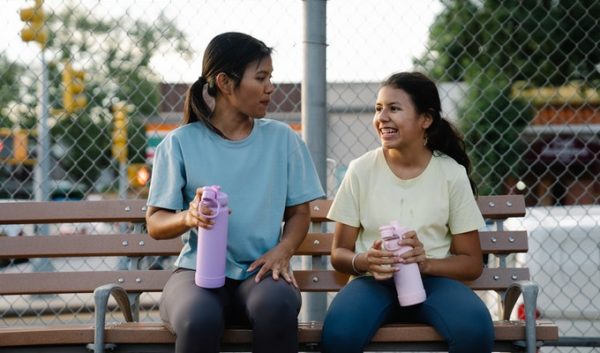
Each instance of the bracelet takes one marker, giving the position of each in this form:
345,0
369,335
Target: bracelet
354,265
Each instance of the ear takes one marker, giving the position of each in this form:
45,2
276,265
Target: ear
224,83
426,121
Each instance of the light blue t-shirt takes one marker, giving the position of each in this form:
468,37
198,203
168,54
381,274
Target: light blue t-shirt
262,174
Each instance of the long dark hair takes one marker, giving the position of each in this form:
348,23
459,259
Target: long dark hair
441,135
229,53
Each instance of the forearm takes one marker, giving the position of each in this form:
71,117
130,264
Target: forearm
163,224
459,267
295,228
341,260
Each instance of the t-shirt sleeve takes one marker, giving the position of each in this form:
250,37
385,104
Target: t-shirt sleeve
303,181
345,207
464,215
168,176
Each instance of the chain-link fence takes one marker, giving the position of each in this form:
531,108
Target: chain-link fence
521,79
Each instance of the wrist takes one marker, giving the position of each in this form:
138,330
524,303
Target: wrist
355,264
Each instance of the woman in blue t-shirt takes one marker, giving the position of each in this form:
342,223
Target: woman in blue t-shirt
266,170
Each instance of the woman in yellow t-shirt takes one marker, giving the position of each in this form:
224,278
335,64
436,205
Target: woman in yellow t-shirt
418,177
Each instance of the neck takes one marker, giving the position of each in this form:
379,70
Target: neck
418,157
233,124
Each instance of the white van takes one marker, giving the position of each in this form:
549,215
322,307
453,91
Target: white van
564,259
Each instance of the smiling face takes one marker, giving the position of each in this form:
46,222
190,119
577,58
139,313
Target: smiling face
253,94
396,120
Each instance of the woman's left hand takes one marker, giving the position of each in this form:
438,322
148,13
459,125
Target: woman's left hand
417,254
276,260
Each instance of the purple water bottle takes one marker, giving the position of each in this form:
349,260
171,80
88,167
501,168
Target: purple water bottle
409,284
212,243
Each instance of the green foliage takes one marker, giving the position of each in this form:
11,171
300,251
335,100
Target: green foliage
115,53
88,145
9,79
491,44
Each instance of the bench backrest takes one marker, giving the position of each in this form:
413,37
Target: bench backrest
135,243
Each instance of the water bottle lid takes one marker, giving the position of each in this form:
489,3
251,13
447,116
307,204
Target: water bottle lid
214,198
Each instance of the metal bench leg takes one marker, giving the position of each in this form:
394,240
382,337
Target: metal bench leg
529,289
101,295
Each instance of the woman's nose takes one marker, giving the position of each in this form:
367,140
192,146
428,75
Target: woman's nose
382,115
270,87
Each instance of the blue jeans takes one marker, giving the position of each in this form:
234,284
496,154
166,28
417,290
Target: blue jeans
365,304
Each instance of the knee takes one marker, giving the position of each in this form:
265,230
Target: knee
276,312
340,336
200,326
473,336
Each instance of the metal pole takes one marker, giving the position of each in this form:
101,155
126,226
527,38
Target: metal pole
42,169
123,180
314,124
314,85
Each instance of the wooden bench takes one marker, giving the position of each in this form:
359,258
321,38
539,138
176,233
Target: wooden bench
126,286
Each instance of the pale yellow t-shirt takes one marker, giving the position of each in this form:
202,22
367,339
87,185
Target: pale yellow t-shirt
436,204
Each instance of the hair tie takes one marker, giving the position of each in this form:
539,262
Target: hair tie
202,80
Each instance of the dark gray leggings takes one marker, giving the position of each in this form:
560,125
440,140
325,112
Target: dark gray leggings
198,316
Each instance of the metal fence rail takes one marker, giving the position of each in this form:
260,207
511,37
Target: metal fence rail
521,80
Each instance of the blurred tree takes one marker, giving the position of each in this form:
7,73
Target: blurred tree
115,54
9,79
491,44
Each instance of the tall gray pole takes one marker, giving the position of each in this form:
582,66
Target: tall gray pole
41,174
314,85
42,170
314,125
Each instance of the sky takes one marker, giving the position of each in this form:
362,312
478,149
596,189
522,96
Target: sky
367,39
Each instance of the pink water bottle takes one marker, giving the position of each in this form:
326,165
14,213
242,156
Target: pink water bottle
409,284
212,243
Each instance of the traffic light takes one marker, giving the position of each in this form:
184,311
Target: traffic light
138,175
119,146
73,85
34,30
14,146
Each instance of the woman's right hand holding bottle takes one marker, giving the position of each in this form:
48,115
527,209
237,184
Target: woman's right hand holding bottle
194,217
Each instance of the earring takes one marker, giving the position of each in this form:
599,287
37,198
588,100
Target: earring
425,141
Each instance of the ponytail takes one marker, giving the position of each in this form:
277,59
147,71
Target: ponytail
195,107
442,136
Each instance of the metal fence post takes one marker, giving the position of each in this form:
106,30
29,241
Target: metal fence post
314,120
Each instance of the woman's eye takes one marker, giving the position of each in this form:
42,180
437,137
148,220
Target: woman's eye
378,109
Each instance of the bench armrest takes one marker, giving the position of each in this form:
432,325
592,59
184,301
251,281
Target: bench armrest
529,289
101,296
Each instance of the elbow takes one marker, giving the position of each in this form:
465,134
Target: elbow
151,229
474,271
336,261
474,274
151,226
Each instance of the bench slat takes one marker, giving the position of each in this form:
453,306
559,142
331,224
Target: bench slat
154,280
135,281
501,206
148,332
143,244
503,242
87,245
133,210
32,212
